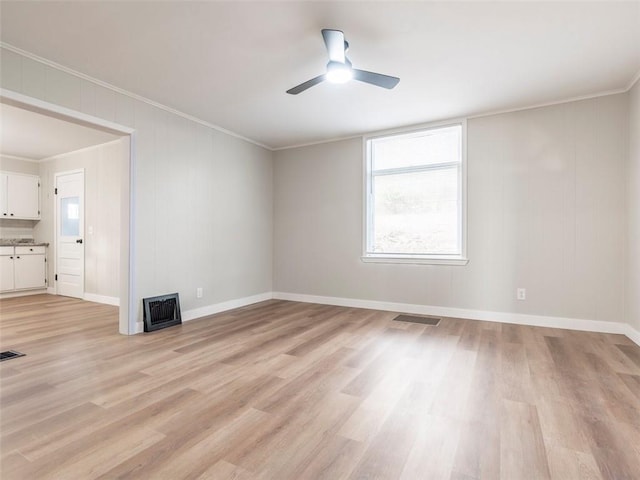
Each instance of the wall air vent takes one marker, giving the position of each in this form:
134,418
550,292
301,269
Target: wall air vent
161,312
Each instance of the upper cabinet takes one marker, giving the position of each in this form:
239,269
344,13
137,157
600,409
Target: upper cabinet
19,196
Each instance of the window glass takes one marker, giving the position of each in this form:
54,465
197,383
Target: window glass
416,212
70,216
428,147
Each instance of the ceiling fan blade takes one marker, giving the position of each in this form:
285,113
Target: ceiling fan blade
334,40
377,79
308,84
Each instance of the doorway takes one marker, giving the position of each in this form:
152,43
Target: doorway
127,310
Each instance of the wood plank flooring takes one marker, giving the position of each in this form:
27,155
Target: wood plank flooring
284,390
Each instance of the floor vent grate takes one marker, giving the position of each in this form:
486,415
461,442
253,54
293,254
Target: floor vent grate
161,312
9,354
434,321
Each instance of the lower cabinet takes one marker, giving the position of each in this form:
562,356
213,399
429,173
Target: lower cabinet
6,269
22,268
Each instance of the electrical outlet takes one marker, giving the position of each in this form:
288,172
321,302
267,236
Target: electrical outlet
199,292
521,293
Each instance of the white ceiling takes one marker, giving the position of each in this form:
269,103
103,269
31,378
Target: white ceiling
230,63
34,136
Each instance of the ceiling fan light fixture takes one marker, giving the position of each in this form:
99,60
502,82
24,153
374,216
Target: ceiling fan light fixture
339,69
339,72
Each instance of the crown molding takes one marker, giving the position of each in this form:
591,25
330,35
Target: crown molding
22,159
148,101
590,96
319,142
477,115
634,80
80,150
127,93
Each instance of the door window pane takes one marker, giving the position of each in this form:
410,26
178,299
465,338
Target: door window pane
70,216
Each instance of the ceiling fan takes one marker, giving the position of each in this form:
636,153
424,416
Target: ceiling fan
339,69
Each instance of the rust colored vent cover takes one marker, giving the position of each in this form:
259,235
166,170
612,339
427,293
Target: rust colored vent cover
161,312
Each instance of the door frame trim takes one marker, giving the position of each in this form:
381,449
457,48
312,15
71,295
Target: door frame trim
55,224
128,311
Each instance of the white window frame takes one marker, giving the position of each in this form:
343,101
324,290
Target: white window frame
367,221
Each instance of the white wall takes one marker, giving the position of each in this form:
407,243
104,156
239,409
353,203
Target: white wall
203,199
633,202
546,210
103,167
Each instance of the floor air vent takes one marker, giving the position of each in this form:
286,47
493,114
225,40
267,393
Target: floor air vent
9,354
161,312
414,319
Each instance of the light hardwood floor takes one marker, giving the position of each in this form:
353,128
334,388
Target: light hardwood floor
285,390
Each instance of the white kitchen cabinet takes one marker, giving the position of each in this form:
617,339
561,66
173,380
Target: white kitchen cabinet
4,184
19,196
23,268
30,268
6,269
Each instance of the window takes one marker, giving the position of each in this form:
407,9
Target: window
415,196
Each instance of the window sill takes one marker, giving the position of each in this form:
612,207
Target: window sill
415,259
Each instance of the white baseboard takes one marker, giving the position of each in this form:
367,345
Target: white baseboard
94,297
200,312
633,334
89,297
503,317
224,306
23,293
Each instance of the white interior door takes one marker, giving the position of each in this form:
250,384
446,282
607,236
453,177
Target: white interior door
70,234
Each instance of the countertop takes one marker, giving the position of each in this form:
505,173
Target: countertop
11,242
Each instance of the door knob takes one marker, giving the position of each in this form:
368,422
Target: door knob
79,240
